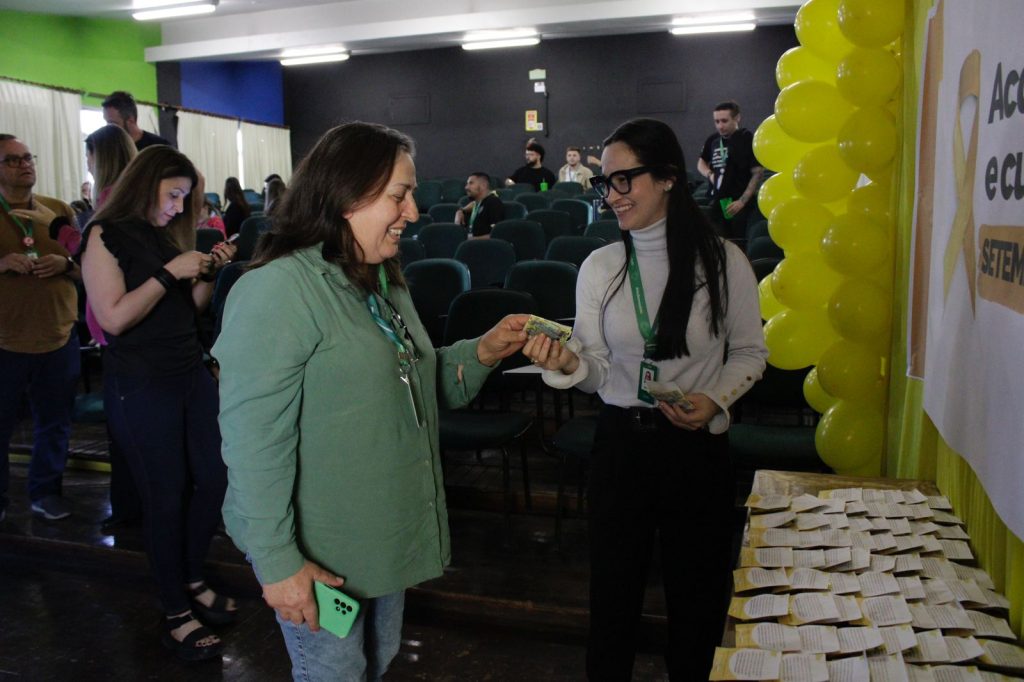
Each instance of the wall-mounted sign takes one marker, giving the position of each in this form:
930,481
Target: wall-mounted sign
538,74
539,86
532,124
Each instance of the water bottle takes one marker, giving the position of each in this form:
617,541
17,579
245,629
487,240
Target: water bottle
543,185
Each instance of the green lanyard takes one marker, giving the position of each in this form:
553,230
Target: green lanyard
405,353
636,286
27,240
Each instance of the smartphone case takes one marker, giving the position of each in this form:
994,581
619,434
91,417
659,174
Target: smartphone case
338,611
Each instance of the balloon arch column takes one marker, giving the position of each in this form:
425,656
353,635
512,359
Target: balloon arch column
833,141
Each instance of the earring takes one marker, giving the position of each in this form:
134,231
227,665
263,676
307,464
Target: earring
668,188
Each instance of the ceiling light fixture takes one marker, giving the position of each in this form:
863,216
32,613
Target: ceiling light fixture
311,51
315,59
711,28
511,42
179,10
152,4
511,37
706,19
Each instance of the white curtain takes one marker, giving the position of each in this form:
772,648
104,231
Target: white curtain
47,121
212,145
149,118
265,150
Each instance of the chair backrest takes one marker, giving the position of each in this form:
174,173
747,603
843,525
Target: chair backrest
473,313
551,283
764,266
763,247
581,212
757,228
249,233
413,229
254,199
433,284
526,236
514,210
206,237
572,249
452,189
570,187
226,279
427,193
441,239
534,200
214,199
488,260
607,230
520,187
443,213
410,250
555,223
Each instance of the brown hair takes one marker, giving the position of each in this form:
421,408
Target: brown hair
112,149
349,166
136,191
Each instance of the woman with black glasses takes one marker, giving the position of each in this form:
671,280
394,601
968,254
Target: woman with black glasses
329,400
671,303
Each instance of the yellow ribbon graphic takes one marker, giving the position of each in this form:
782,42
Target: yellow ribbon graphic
962,235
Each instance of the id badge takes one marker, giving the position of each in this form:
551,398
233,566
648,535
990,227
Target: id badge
648,373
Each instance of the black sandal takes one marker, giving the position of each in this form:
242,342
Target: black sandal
216,614
189,649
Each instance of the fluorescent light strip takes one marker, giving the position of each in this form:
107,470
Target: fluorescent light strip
711,28
150,4
311,51
491,44
704,19
170,12
315,59
502,34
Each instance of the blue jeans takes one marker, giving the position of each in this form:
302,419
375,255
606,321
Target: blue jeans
167,428
51,379
364,655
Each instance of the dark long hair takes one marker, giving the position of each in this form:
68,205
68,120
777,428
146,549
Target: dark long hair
350,165
233,193
137,189
689,236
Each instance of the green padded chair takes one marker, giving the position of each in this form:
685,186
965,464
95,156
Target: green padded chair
514,210
248,234
555,223
433,284
413,229
410,250
526,237
763,247
207,238
427,193
534,200
607,230
574,441
452,189
441,239
443,212
488,260
572,249
581,212
551,283
569,187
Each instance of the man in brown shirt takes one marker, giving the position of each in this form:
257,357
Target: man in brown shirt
38,309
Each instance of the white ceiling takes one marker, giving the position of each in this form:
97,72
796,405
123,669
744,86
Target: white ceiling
261,29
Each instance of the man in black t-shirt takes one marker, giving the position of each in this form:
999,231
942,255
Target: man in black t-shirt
119,109
484,211
727,161
533,172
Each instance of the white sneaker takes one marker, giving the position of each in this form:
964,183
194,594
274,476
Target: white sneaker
52,507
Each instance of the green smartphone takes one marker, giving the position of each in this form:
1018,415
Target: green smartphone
338,611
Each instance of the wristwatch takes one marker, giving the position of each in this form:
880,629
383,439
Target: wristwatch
70,264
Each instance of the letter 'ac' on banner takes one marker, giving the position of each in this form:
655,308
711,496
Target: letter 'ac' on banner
966,317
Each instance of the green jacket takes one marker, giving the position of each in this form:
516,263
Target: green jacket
326,460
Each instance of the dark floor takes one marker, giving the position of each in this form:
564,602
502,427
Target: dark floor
76,603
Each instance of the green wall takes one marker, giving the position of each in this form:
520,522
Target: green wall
94,55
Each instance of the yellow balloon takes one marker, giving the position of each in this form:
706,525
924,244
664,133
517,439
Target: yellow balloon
882,176
867,141
868,77
775,190
822,175
770,306
871,468
871,201
860,311
798,225
775,149
801,64
850,435
811,111
871,23
815,395
854,245
803,281
817,28
850,371
796,338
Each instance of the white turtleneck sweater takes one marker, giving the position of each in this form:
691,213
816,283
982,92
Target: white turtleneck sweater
610,347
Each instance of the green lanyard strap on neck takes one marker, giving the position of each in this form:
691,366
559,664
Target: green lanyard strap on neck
636,286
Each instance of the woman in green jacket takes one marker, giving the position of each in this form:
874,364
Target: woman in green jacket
329,399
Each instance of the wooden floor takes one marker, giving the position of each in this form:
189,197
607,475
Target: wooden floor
76,603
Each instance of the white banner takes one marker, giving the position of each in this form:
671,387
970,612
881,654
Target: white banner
966,327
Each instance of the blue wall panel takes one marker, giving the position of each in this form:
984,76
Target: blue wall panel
249,90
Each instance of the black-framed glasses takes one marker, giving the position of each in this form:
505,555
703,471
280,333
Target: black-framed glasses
621,181
12,161
401,330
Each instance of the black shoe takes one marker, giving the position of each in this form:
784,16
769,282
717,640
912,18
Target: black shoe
115,523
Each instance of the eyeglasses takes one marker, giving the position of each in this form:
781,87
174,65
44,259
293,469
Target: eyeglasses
621,181
15,161
402,331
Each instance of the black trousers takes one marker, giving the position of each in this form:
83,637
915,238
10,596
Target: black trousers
670,489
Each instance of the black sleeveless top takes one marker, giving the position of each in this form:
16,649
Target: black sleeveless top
166,341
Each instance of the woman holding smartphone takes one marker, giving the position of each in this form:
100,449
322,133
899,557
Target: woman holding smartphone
329,404
145,283
672,303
